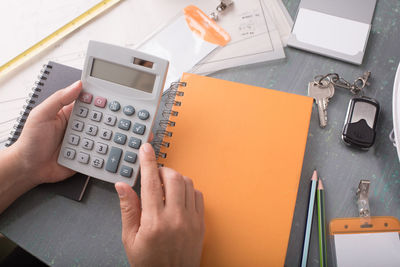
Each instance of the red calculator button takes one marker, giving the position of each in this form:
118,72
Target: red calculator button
86,98
100,102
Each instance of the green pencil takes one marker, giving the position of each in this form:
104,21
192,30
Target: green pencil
321,224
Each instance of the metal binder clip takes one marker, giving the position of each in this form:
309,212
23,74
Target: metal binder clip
220,8
362,198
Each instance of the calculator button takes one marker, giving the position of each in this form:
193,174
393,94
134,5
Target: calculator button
114,105
124,124
77,126
113,159
95,115
126,171
139,128
97,162
91,129
129,110
110,119
100,102
69,153
101,148
73,139
86,98
82,112
83,157
135,142
143,114
87,144
105,134
120,138
130,157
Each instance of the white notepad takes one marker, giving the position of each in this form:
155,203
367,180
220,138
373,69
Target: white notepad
338,29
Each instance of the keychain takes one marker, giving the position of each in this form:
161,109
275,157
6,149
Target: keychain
359,128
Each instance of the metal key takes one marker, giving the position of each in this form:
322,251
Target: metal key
321,93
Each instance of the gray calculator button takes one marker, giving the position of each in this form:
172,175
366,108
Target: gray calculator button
124,124
97,162
82,112
69,153
101,148
91,129
95,115
87,144
105,134
143,114
139,128
77,125
113,159
129,110
120,138
135,142
73,139
126,171
114,105
130,157
110,119
83,157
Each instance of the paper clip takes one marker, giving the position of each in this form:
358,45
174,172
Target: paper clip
362,199
220,8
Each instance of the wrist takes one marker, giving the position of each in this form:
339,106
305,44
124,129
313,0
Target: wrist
18,168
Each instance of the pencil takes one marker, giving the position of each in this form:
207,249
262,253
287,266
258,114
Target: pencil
307,233
321,224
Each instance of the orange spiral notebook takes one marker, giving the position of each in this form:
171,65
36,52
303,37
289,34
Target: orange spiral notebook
243,146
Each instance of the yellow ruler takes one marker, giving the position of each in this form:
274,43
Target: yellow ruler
56,36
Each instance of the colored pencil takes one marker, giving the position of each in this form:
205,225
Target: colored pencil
321,224
307,233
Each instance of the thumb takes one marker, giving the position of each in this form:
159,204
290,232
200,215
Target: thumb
53,104
130,210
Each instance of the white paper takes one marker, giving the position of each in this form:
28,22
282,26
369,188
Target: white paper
368,250
254,38
179,45
330,32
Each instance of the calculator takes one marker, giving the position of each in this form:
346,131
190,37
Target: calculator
114,114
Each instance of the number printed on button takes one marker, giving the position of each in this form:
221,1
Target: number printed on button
77,126
101,148
96,115
87,144
91,129
82,112
110,119
73,139
105,134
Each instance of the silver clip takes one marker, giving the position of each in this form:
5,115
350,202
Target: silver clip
362,199
220,8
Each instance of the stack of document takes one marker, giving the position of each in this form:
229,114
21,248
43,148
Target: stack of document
258,28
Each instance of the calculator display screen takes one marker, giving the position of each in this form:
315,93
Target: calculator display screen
126,76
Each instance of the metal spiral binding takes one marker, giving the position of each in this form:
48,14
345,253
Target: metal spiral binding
30,102
167,113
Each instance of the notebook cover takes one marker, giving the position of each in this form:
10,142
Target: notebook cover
243,146
59,76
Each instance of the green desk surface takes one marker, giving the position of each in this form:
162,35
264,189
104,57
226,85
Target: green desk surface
67,233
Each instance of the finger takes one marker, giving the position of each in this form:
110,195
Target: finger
189,194
130,210
151,191
67,111
174,187
53,104
199,202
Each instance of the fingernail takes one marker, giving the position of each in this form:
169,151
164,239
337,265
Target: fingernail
146,147
120,190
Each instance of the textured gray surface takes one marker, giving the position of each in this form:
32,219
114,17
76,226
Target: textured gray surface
67,233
